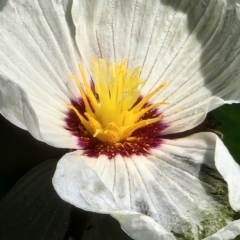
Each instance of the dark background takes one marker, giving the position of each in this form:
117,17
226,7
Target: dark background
20,152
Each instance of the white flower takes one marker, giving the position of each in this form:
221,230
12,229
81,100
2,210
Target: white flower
151,68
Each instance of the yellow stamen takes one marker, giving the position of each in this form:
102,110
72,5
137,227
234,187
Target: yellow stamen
110,114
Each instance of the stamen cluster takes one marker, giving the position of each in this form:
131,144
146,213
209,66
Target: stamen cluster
112,110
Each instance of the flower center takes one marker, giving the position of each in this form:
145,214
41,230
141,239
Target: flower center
113,110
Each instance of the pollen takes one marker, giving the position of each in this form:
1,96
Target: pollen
114,107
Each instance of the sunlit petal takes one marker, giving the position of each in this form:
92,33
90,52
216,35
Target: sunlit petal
192,45
110,77
37,53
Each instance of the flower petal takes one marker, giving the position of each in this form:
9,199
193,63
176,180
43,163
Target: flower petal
37,53
230,171
229,232
177,186
141,227
72,184
193,46
15,105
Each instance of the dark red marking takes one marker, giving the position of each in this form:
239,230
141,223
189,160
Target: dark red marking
140,142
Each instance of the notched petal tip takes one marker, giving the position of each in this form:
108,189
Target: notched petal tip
78,184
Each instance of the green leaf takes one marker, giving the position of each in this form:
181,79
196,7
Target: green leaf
228,119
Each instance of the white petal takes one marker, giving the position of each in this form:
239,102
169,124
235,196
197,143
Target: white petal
88,192
230,171
229,232
16,107
177,185
91,197
37,53
141,227
192,45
